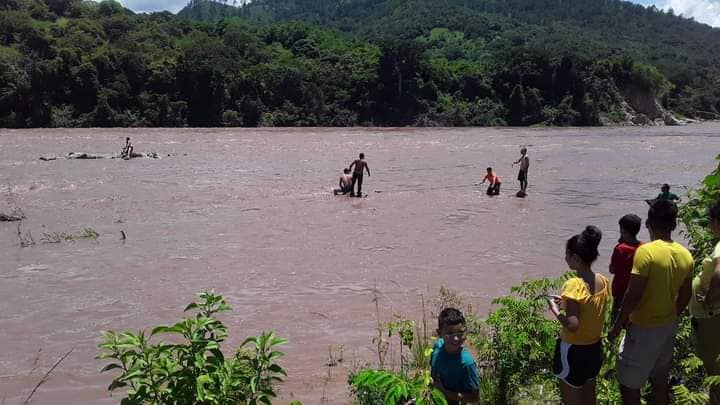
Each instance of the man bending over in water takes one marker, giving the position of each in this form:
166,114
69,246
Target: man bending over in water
345,183
494,180
357,177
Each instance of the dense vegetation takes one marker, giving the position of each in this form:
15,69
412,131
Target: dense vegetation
361,62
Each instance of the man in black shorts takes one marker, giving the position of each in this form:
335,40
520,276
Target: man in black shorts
360,165
524,166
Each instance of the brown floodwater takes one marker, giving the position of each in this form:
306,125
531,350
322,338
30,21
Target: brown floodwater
249,213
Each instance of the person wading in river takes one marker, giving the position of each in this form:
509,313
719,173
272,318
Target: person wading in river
360,165
127,150
523,173
345,183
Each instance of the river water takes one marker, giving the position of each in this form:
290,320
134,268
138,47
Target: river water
249,213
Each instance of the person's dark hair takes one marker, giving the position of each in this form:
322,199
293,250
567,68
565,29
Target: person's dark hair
714,210
362,156
127,139
346,170
489,169
662,215
631,223
665,187
585,244
450,317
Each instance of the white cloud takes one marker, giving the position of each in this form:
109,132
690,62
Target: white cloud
704,11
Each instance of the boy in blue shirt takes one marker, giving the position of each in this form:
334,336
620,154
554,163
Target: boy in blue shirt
452,366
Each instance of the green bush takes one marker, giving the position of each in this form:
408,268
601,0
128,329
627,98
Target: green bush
688,368
374,387
693,214
196,370
516,349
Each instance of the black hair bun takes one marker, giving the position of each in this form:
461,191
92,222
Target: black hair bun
592,235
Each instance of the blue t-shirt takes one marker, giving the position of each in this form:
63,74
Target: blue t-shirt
457,372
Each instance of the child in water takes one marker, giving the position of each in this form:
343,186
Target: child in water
345,183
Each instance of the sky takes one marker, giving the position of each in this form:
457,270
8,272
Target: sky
704,11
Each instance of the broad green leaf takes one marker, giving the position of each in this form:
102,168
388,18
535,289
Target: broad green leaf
111,366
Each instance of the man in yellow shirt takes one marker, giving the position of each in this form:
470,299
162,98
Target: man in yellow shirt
658,292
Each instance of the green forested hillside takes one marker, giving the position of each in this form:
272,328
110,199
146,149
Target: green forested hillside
203,10
588,27
350,62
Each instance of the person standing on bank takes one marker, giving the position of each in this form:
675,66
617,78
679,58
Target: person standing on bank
621,261
584,298
705,308
360,165
453,369
659,291
524,166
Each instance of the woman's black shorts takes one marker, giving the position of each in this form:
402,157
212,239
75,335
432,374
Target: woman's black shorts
577,364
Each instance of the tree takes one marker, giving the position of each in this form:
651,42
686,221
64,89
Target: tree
200,78
517,105
398,93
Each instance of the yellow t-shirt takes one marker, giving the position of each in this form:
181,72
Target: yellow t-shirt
592,310
666,265
701,283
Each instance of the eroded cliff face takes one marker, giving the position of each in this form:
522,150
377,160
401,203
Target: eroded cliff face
643,102
640,107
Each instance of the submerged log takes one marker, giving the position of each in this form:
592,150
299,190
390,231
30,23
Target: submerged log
11,217
85,155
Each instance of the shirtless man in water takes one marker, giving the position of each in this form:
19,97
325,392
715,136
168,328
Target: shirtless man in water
345,183
524,166
127,150
495,182
357,177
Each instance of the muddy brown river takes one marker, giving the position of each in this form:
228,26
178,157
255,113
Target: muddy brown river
249,213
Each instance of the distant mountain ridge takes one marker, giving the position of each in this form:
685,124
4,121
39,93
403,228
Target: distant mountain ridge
590,27
355,62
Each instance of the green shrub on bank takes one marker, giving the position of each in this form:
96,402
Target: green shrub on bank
390,388
516,350
687,368
194,371
693,214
